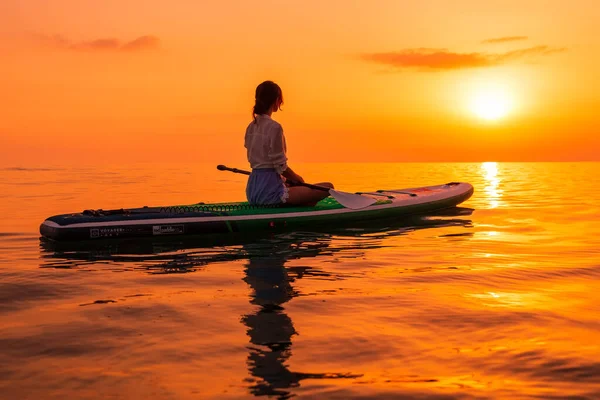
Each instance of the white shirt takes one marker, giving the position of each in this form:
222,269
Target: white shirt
265,143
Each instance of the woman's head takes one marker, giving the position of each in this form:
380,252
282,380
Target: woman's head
268,98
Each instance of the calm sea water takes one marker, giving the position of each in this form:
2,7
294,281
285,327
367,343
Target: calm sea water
499,298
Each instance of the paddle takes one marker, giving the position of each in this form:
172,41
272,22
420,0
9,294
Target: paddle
348,200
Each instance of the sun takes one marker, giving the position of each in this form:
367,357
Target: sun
491,103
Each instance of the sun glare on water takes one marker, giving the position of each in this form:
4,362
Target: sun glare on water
491,103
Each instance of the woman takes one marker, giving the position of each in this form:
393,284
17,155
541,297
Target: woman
266,149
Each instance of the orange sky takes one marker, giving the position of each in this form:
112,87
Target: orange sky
121,81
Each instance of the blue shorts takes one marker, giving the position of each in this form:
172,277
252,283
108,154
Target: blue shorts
266,187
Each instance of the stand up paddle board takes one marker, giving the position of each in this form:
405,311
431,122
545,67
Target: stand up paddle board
223,218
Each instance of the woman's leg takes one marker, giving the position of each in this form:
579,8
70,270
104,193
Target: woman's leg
303,196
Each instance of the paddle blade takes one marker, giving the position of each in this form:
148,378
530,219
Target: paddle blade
351,200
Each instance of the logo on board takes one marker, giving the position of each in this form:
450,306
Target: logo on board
167,229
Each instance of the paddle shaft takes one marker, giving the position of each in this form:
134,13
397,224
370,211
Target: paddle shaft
294,183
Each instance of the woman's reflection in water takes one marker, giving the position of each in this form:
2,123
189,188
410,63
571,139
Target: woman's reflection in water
270,329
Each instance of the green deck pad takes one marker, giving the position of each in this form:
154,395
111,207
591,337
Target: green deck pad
244,208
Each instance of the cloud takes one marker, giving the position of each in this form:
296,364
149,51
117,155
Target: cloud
429,58
531,51
505,39
443,59
147,42
98,44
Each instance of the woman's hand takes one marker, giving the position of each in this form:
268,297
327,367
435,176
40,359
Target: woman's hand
290,175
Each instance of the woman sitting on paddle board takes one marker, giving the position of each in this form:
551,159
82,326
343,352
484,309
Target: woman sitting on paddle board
266,148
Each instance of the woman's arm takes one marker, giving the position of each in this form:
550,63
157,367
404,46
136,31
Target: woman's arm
278,149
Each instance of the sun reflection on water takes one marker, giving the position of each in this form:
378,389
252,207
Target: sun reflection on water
504,299
490,175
